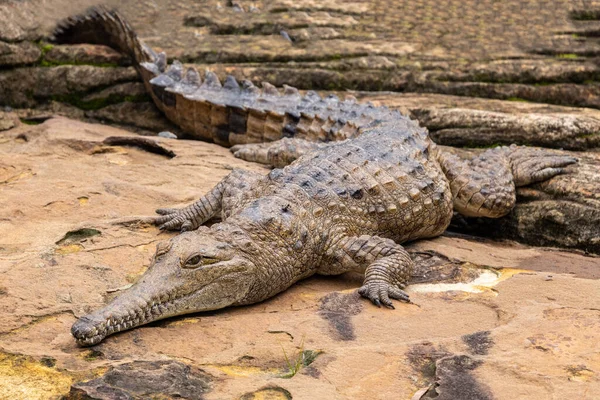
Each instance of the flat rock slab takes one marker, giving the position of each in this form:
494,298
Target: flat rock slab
492,319
537,50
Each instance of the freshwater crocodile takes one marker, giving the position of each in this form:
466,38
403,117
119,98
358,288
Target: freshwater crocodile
361,180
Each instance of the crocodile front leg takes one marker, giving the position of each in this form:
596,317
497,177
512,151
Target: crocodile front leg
222,197
486,185
386,265
278,153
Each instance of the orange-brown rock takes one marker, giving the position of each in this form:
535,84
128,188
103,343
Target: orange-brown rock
525,326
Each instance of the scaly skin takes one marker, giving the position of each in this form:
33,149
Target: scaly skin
339,207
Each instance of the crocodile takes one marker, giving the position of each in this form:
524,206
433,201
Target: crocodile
357,181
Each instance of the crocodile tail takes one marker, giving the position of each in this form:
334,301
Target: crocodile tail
228,112
100,25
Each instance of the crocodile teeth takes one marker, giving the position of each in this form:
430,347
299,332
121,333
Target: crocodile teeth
162,80
192,77
150,67
161,61
211,80
290,91
269,89
312,95
248,87
230,83
175,71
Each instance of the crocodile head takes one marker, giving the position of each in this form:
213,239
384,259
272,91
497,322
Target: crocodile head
195,271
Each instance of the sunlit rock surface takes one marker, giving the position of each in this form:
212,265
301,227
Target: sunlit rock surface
490,319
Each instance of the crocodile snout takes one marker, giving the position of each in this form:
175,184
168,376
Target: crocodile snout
88,331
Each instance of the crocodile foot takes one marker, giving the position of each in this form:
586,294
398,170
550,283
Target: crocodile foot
174,219
381,292
530,165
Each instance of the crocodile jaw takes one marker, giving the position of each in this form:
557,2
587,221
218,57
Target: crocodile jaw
135,308
166,289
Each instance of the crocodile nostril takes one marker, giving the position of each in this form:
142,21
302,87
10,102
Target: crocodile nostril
86,326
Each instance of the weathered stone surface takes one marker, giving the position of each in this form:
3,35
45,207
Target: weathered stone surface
477,122
30,20
8,120
561,212
454,380
137,114
473,128
131,90
388,46
49,110
85,54
24,86
17,24
264,23
568,94
62,176
19,54
536,50
145,379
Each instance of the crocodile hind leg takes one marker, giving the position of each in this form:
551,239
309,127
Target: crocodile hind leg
220,198
278,153
385,264
485,186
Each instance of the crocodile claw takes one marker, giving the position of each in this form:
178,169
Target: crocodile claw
380,292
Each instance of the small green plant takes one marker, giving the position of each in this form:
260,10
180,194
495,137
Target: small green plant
44,47
303,359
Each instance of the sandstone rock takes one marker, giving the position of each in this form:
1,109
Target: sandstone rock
527,71
18,54
145,379
472,128
267,23
85,54
65,176
499,59
17,24
8,120
564,211
568,94
142,115
24,86
477,122
49,110
120,91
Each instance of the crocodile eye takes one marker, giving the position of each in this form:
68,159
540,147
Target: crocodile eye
194,261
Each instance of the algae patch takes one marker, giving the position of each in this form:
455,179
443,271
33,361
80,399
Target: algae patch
268,393
302,359
23,377
245,371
